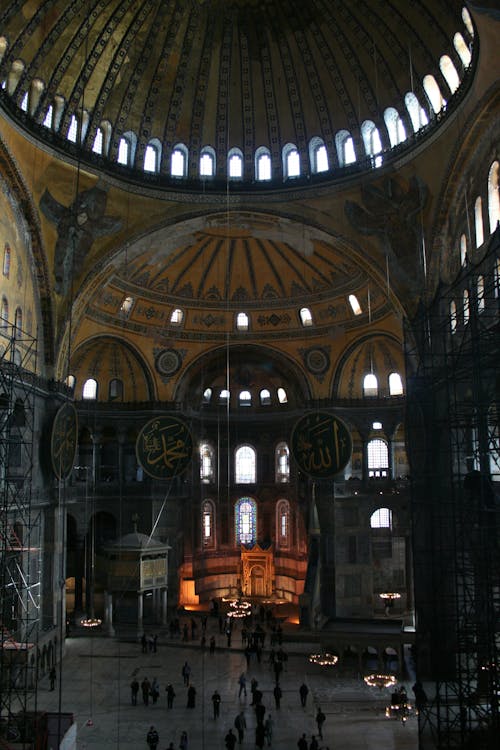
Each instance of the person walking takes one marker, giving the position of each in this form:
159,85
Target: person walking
186,673
277,692
170,695
216,703
303,690
191,697
302,743
155,690
260,736
230,740
52,678
134,689
183,742
152,738
146,689
313,745
320,720
240,724
268,729
242,682
260,712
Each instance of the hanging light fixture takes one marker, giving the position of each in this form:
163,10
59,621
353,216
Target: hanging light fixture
390,597
239,609
324,659
380,680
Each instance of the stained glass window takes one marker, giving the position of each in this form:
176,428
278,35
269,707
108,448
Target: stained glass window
245,521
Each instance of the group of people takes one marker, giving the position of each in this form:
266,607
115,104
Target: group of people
153,738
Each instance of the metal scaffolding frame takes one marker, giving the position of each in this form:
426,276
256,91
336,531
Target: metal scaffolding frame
20,537
453,367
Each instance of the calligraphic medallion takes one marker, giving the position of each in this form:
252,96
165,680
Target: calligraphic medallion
321,444
164,447
64,440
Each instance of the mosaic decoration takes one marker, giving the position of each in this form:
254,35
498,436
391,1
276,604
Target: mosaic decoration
164,447
168,362
316,361
274,319
63,441
321,444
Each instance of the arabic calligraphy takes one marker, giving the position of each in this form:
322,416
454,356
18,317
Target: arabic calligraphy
164,447
321,444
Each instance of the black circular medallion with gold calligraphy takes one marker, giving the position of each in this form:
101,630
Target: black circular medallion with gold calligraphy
321,445
64,440
164,447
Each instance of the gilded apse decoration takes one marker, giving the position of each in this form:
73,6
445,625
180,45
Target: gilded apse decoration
321,444
63,441
164,447
78,226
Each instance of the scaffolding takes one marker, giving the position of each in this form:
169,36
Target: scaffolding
20,540
453,367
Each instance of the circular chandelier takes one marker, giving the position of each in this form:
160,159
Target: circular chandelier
380,680
390,596
90,622
239,609
324,659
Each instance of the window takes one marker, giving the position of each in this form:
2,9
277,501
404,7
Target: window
283,523
89,389
115,390
449,73
123,151
395,126
5,313
466,306
305,317
467,21
246,521
242,321
24,102
6,260
207,395
245,398
345,148
417,113
318,156
207,162
282,397
178,162
462,49
282,463
207,462
262,164
265,397
207,524
151,158
224,395
372,142
480,294
493,196
376,425
381,519
378,458
395,384
98,145
18,321
434,93
355,306
176,316
70,382
463,250
370,385
478,221
73,129
291,161
49,117
235,164
245,465
126,306
453,316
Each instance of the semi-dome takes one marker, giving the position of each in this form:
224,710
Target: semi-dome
253,92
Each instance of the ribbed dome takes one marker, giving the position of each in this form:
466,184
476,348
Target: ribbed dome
228,74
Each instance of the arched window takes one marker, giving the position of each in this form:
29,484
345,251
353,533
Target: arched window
245,516
354,303
305,317
434,93
208,524
235,164
467,21
449,73
152,156
178,161
395,384
265,397
24,102
378,458
345,148
5,313
466,306
282,463
124,151
480,294
6,260
262,164
126,306
493,196
245,465
98,144
283,524
478,221
224,395
115,389
70,381
463,250
282,396
318,156
453,316
462,49
207,395
291,161
89,391
176,317
372,142
18,321
207,162
245,398
242,321
370,385
381,519
395,126
418,115
73,129
207,462
48,120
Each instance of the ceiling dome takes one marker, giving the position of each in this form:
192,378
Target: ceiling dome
232,77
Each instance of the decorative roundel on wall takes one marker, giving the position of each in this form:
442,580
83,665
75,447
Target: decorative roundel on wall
317,361
164,447
167,362
63,441
321,444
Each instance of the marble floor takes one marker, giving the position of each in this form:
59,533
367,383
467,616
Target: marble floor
93,684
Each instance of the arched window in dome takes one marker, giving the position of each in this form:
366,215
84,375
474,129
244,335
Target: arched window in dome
467,21
126,149
493,196
433,92
6,260
207,462
24,102
98,144
224,396
207,396
245,465
318,156
245,398
449,73
291,161
235,164
18,320
453,316
179,161
115,392
4,313
378,458
462,49
395,384
354,303
372,142
262,164
463,250
418,115
345,148
305,317
283,524
370,385
48,120
478,221
126,306
14,76
480,294
3,47
245,518
381,519
176,317
465,307
282,396
59,105
242,321
72,134
70,382
152,156
36,91
395,126
89,391
208,523
265,397
207,162
282,463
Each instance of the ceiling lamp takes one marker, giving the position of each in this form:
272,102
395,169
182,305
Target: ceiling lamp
324,659
390,596
380,680
90,622
239,609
